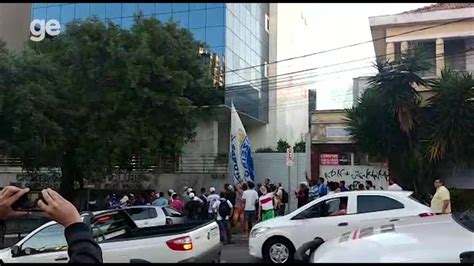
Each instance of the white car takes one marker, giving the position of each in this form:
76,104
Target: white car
148,216
437,239
277,239
122,241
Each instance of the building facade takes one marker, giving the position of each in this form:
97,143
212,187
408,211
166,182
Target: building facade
445,31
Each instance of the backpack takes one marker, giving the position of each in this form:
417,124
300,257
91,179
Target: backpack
224,209
284,196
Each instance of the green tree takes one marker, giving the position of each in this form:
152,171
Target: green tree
300,146
90,99
452,121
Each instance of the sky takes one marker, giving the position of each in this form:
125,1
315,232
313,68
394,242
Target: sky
336,25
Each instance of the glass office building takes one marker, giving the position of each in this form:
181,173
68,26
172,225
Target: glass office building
237,32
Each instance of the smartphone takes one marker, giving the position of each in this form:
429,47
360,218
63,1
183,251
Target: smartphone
28,202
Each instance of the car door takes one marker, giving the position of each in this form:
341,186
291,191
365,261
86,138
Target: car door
375,207
46,246
317,221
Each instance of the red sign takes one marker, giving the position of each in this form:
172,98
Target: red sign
329,159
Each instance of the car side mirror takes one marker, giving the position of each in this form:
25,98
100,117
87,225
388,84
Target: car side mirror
15,251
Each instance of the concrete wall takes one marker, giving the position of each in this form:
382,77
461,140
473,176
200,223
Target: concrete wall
354,175
15,19
459,29
273,166
322,120
206,140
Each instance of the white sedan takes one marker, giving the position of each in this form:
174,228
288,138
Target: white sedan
277,239
437,239
149,216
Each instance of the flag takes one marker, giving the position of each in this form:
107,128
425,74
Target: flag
241,160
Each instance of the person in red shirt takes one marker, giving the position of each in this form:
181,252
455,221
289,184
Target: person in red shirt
176,203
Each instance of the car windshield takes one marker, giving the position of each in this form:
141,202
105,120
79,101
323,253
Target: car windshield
466,219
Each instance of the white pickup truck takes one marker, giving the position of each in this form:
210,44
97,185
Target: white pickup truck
122,241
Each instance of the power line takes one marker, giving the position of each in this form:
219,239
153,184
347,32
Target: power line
351,45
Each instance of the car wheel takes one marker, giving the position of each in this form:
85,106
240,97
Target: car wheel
278,250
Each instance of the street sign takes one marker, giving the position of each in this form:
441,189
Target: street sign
290,157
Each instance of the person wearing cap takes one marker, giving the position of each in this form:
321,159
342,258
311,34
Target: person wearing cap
211,199
193,206
185,196
170,194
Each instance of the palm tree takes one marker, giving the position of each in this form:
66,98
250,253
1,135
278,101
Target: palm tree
452,118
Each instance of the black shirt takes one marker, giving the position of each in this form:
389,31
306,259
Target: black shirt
82,248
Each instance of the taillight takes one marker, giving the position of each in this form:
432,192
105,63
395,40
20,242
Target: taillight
180,244
169,221
426,214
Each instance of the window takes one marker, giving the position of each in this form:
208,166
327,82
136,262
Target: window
215,36
127,23
454,54
129,9
323,209
171,212
367,204
398,51
82,11
164,17
199,34
146,8
197,19
337,132
196,6
164,8
182,18
113,10
139,213
39,13
111,226
67,13
54,13
180,7
116,21
214,5
98,10
267,23
49,239
429,48
215,17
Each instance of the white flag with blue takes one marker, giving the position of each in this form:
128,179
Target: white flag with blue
241,159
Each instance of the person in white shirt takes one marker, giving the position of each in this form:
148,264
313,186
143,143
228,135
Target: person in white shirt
393,186
250,196
223,216
211,199
266,205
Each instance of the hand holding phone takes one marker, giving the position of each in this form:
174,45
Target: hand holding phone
8,197
28,202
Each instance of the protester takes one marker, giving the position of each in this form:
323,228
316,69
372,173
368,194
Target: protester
266,206
223,208
238,214
441,202
284,199
161,200
360,187
302,195
323,190
211,199
342,185
176,203
313,191
392,185
369,185
230,193
81,245
203,213
250,196
259,185
170,193
193,207
276,199
124,201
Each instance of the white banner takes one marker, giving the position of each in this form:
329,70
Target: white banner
241,160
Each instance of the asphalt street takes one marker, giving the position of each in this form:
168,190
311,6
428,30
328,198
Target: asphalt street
237,253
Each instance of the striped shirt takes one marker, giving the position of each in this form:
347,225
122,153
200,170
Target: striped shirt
266,201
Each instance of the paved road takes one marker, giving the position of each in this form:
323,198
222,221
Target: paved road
238,253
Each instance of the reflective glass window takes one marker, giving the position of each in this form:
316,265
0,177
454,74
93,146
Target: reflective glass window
113,10
146,8
197,19
214,17
82,11
67,13
164,7
127,22
116,21
164,17
39,13
215,36
197,6
129,9
54,12
98,10
214,5
180,7
182,18
199,34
